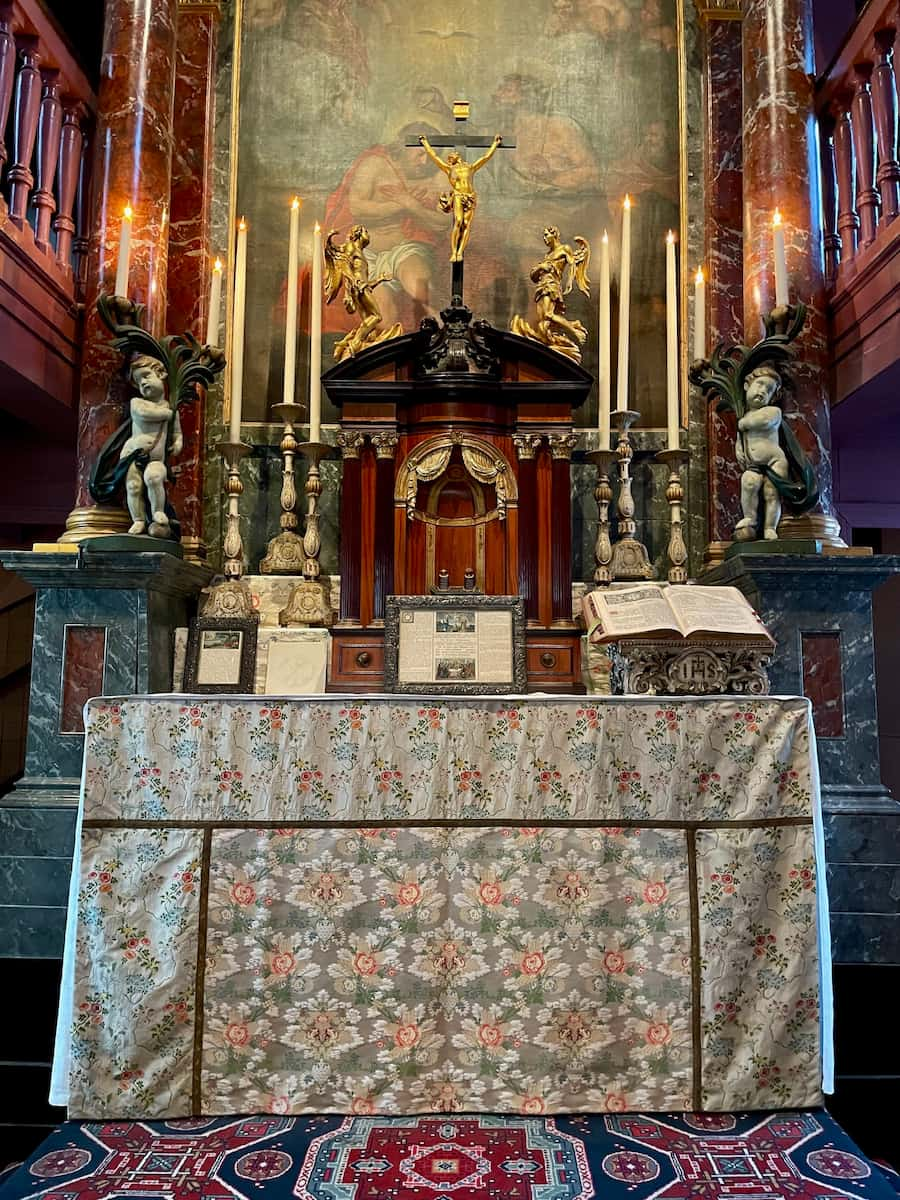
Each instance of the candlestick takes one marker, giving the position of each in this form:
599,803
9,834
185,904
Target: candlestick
624,308
315,340
603,494
237,337
124,261
215,304
293,277
672,407
781,278
310,601
233,545
675,459
285,555
699,315
629,556
604,379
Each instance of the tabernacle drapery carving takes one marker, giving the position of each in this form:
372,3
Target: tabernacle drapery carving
430,460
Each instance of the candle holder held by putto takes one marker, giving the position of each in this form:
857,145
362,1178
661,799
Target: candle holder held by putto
629,556
677,548
603,494
310,601
285,554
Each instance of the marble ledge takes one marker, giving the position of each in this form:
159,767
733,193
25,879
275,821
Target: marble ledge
152,572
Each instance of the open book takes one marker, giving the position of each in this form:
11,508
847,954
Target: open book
650,610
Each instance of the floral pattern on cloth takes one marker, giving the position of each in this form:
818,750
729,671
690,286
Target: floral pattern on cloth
527,970
703,759
759,967
135,987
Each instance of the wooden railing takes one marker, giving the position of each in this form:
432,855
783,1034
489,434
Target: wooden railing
46,113
857,111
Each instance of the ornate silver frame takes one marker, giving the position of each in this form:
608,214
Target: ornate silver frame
248,626
394,605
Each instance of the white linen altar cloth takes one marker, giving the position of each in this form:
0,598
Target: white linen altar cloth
725,762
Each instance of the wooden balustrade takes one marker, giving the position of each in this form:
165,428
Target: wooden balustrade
46,108
857,108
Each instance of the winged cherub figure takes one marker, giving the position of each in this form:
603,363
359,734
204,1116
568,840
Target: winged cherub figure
562,267
347,267
461,199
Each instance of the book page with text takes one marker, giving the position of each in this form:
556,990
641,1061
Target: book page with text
626,611
714,610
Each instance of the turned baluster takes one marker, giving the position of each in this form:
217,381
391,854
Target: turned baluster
867,198
884,96
82,242
7,72
829,202
48,140
71,141
848,221
25,124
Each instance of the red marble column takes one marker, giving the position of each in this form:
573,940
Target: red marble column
780,170
189,233
724,251
132,164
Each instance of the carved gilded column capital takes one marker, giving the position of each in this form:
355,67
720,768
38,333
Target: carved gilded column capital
351,443
385,443
527,445
562,444
718,10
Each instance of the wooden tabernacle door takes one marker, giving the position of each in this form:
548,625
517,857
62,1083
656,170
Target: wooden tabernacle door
456,441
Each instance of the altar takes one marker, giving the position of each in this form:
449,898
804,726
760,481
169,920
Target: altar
413,905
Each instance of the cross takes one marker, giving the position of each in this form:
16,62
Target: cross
460,141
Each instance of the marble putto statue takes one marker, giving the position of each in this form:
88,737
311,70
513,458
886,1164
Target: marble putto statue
761,456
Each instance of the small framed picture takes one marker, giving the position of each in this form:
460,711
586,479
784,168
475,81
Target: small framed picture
459,645
221,655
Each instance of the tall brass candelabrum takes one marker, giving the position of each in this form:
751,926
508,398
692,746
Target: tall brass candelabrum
675,460
603,494
285,554
629,556
310,601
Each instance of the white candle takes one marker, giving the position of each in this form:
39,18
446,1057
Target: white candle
315,339
124,260
672,408
215,303
781,278
604,382
699,315
624,307
237,337
293,276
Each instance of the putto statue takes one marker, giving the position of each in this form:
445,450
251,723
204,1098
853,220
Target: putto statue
136,459
561,268
347,268
461,199
750,383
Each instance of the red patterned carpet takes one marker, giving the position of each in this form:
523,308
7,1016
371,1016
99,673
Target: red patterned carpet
743,1156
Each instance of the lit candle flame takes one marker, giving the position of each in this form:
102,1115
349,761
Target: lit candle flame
699,277
627,201
317,227
776,219
605,238
295,204
217,265
128,212
670,237
242,224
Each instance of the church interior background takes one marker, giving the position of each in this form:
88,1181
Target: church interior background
271,185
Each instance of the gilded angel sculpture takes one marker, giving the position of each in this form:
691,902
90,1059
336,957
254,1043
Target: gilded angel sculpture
562,268
347,268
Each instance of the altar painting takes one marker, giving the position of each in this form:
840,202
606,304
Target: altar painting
331,92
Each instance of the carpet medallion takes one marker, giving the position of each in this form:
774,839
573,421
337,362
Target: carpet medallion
802,1155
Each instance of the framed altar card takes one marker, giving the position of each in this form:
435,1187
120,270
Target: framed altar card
221,655
459,645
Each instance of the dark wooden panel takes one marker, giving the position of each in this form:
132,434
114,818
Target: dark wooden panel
357,661
554,662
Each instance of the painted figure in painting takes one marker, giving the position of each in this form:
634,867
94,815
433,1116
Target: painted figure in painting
562,267
761,456
347,268
461,199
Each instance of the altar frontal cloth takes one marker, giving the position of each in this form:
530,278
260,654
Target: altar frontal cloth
406,906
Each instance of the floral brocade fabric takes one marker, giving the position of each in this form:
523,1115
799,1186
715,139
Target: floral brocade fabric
403,907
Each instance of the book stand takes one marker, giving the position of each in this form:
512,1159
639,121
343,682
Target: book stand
676,667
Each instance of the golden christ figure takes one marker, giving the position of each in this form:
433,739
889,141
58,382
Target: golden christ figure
561,267
461,199
347,267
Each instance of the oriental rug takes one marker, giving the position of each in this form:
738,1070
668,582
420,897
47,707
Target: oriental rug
800,1155
399,907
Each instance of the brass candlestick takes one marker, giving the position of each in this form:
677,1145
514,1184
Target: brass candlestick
603,494
677,549
310,601
233,545
629,556
285,554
